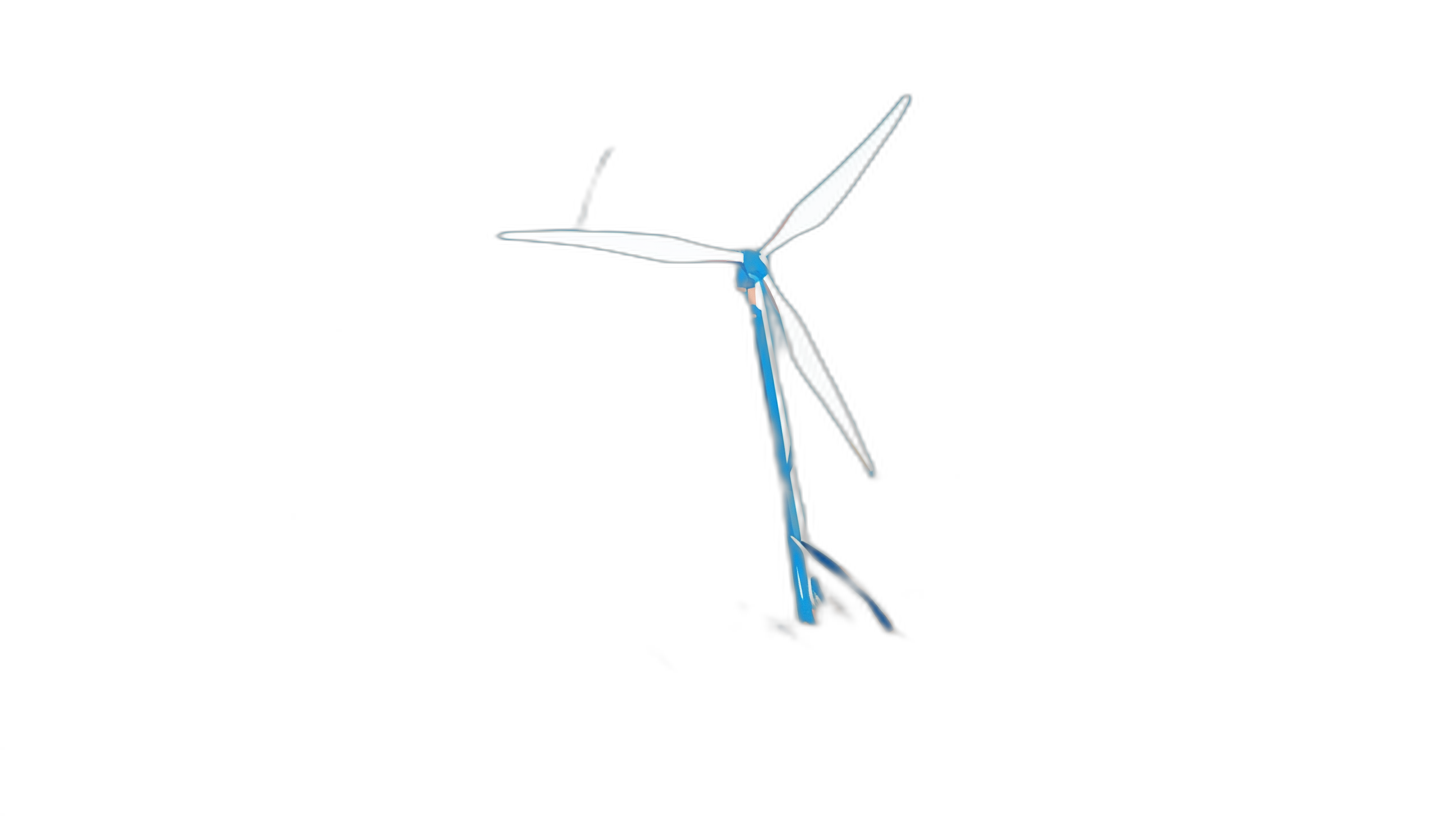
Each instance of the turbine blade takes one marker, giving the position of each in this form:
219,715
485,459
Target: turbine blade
819,204
638,245
813,369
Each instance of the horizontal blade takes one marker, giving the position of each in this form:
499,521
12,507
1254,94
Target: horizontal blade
646,245
821,202
806,358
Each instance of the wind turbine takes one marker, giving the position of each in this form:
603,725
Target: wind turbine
753,279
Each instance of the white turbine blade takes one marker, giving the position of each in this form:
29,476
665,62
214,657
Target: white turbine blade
806,358
652,247
821,202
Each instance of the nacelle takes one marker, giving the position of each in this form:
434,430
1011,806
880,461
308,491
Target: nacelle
750,271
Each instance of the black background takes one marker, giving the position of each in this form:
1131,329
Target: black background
549,468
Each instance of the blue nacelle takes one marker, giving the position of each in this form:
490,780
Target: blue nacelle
750,271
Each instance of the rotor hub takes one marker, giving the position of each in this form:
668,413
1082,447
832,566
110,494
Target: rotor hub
752,270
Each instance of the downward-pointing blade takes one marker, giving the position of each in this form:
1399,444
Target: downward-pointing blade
819,204
638,245
813,369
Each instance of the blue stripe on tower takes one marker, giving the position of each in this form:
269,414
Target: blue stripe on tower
803,597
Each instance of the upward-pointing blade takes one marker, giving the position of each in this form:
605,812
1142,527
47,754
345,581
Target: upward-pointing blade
638,245
813,369
819,204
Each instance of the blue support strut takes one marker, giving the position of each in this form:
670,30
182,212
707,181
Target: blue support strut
782,452
834,567
807,593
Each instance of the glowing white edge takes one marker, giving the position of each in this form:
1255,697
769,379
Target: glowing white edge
798,504
808,590
773,367
805,590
